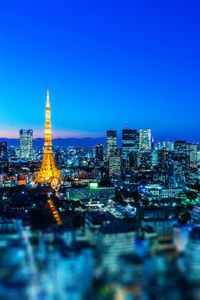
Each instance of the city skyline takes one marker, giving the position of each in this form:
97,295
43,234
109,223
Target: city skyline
141,55
99,150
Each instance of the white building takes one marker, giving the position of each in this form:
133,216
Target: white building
145,140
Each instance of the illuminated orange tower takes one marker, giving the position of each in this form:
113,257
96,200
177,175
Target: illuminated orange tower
48,172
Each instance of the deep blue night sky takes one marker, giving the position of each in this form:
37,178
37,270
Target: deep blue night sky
109,64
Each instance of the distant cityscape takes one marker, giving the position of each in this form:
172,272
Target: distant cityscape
138,152
103,222
99,150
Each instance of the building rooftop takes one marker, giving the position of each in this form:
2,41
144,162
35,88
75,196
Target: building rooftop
98,217
117,228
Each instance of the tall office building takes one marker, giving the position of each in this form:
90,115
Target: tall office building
12,151
180,148
111,143
58,159
145,160
99,153
180,159
163,159
133,159
26,143
3,150
154,158
145,149
129,142
145,140
191,150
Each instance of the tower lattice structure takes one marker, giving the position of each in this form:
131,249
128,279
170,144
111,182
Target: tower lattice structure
48,172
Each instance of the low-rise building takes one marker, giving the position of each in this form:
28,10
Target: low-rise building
91,192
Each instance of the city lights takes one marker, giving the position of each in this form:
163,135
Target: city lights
103,203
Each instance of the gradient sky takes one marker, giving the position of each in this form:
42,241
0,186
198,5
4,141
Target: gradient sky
109,64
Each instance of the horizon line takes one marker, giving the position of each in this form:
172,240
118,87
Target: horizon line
73,137
97,137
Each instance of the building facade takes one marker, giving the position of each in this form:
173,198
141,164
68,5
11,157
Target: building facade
26,143
145,140
111,143
129,143
114,166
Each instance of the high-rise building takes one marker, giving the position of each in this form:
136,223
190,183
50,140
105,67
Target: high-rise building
114,166
99,153
48,172
129,142
58,159
180,158
154,158
3,150
133,159
163,159
145,160
111,143
145,140
191,150
12,152
26,143
145,149
180,148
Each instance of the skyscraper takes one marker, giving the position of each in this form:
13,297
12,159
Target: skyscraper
129,142
145,140
3,150
48,173
154,158
180,159
111,143
180,148
145,160
191,150
58,159
26,143
145,149
99,153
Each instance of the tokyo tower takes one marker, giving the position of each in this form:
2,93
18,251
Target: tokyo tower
48,173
